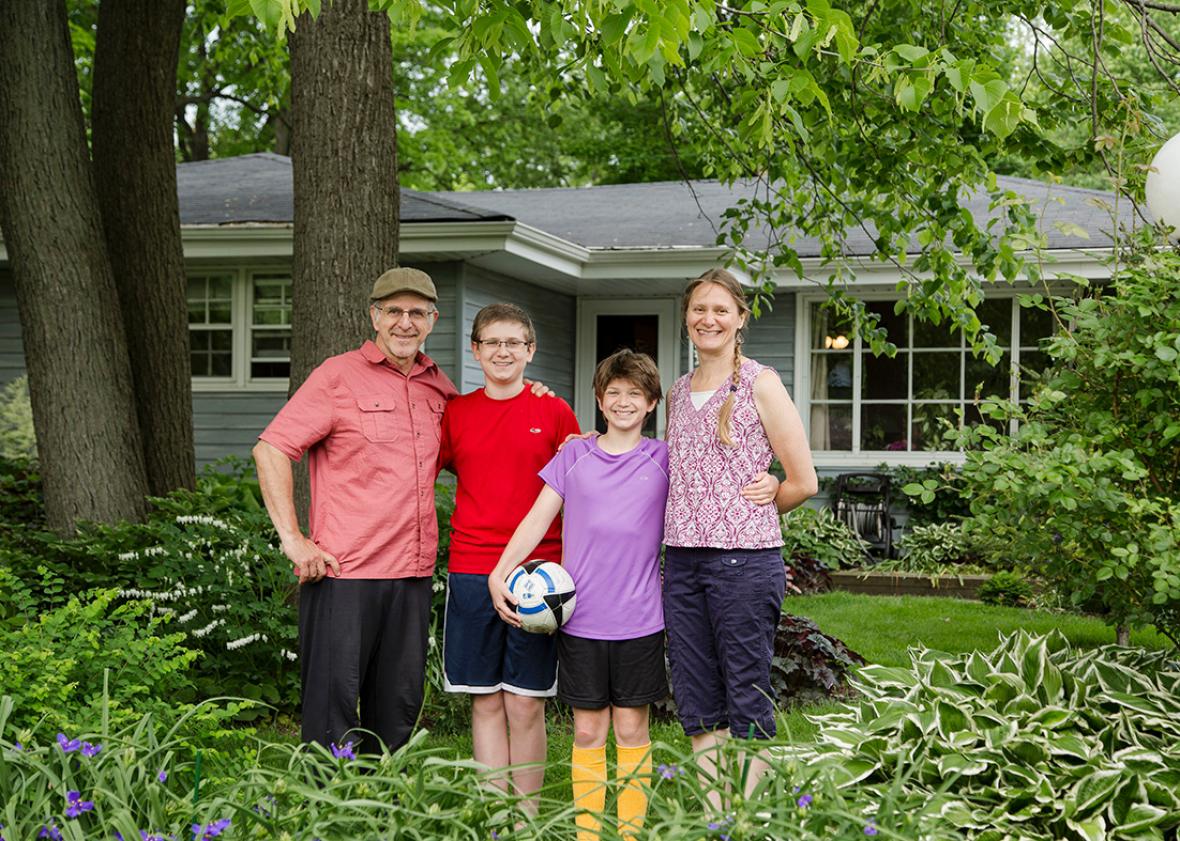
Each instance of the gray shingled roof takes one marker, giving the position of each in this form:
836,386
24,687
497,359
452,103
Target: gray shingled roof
257,189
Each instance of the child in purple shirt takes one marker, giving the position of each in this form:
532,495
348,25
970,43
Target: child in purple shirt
611,652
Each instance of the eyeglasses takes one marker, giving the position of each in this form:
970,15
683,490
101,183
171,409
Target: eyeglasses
513,345
418,316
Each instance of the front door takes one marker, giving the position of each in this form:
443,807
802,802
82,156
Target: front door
646,325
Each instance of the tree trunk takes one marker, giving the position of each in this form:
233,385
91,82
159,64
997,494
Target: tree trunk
344,160
79,372
135,175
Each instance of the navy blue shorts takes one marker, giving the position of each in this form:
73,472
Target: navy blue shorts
721,609
483,654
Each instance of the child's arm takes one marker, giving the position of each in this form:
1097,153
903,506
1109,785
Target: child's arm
524,540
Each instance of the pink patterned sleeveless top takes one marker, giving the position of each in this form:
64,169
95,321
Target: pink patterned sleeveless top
705,505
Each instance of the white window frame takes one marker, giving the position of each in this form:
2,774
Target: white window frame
241,321
667,327
861,458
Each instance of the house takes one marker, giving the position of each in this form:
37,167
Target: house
598,267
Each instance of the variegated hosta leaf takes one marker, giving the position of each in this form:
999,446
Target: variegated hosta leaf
1032,740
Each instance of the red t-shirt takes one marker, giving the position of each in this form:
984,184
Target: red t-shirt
497,448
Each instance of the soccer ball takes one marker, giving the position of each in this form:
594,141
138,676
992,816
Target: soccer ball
545,595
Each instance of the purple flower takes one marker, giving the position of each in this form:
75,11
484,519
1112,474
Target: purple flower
804,801
210,830
75,805
151,836
668,771
67,745
343,751
90,750
1,836
50,831
871,827
118,835
17,746
162,776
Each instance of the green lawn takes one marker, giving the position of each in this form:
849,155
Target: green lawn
879,628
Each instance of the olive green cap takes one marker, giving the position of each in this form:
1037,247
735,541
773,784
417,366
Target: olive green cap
404,280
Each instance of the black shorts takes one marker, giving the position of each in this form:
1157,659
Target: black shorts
593,674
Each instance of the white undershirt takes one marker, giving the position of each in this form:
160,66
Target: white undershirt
700,398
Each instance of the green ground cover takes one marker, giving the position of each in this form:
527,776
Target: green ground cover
880,628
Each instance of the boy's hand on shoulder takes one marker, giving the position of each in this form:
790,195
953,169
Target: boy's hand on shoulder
503,600
762,490
539,388
577,436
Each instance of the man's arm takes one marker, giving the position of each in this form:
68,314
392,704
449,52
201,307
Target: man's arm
277,482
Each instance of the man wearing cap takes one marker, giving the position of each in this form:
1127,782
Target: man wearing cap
369,421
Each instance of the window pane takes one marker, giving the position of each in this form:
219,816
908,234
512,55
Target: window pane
927,334
931,422
831,426
1034,325
973,417
828,331
221,339
196,312
270,315
200,363
882,378
831,376
896,325
936,376
991,381
882,427
270,370
222,364
220,313
220,288
268,291
996,313
1032,364
199,340
271,345
197,289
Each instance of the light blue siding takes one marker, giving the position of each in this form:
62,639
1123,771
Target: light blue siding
553,314
771,338
227,423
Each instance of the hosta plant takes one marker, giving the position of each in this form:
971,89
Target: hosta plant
1033,740
817,534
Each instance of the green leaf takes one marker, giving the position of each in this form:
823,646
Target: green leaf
1166,354
1093,791
911,52
1005,116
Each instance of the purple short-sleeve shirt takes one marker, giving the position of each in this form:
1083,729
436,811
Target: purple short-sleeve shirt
614,523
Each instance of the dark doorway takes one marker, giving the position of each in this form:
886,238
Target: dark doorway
615,332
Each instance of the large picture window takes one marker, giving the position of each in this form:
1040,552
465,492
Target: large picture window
858,402
240,328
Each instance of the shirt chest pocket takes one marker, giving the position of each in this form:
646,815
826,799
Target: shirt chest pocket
437,407
379,420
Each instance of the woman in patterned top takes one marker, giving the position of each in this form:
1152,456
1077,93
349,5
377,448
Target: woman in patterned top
724,579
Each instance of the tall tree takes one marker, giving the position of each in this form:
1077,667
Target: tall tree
135,173
344,162
76,354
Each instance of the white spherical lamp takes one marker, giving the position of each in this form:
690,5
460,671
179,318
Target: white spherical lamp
1163,186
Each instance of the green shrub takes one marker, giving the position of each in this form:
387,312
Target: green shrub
935,549
1032,740
817,534
1009,589
1087,492
17,438
55,665
933,494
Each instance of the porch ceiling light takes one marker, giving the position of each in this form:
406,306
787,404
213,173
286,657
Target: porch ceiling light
837,342
1163,186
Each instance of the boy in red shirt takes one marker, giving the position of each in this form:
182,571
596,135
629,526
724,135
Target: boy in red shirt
496,440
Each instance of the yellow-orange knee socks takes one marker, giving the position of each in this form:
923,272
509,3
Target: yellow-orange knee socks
588,775
632,773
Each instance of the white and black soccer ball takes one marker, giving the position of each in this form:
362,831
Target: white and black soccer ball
545,595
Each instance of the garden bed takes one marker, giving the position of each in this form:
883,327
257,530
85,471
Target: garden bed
908,583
